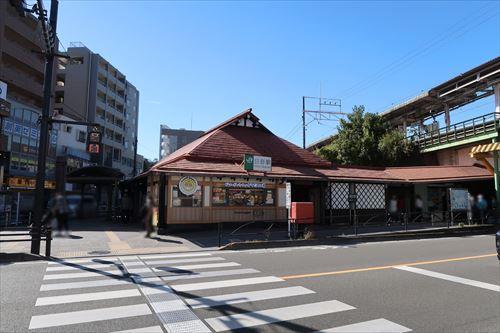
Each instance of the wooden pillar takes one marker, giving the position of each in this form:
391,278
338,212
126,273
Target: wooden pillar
162,221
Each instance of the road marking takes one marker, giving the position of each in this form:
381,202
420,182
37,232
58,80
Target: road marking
251,296
85,284
75,298
82,274
171,256
371,326
113,238
87,260
184,276
151,329
377,268
251,319
197,266
225,283
179,261
452,278
86,316
79,267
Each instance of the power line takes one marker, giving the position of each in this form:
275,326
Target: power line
410,56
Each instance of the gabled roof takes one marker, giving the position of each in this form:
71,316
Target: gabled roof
242,134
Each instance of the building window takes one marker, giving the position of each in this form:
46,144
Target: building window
76,61
81,137
242,197
68,129
181,200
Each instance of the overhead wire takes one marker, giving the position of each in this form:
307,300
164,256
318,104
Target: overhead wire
451,32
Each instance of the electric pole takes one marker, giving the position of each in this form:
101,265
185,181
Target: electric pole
49,32
326,109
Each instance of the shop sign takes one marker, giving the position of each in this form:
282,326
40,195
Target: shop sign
459,199
188,185
28,183
244,185
257,163
3,90
288,195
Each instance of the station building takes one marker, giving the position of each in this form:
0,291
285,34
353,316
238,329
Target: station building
207,181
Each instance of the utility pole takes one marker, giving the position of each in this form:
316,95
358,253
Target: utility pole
304,122
332,108
51,45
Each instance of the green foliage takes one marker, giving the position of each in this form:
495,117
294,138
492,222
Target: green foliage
365,139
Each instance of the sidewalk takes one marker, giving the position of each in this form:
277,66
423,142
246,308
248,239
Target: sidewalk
100,238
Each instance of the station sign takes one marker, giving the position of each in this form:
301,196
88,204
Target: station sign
257,163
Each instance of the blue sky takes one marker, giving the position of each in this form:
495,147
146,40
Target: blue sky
199,63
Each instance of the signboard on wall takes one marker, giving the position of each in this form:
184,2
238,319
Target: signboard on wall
459,199
188,185
288,195
257,163
3,90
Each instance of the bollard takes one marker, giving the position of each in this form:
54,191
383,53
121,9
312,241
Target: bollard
48,241
219,233
405,217
29,218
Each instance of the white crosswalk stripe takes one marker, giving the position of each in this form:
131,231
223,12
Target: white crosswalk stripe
371,326
199,275
86,316
179,261
256,318
75,298
85,284
158,283
170,256
82,274
243,297
150,329
225,283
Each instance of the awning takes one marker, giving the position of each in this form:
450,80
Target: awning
484,149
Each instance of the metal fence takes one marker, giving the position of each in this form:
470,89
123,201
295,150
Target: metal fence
351,224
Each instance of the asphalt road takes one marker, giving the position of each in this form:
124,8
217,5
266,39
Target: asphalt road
434,285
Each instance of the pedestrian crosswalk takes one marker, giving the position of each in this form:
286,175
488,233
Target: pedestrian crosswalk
184,292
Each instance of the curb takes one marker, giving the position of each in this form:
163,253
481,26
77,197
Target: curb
343,240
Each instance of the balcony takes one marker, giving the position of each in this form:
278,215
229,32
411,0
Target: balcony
19,79
468,131
24,55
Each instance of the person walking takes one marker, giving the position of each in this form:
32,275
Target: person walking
393,210
146,216
482,207
419,208
61,214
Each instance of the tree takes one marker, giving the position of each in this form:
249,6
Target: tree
365,139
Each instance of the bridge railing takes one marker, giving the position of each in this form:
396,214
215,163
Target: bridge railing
485,124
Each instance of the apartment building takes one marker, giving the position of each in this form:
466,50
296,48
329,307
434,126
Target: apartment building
22,70
89,88
173,139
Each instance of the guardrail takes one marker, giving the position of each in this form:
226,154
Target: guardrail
485,124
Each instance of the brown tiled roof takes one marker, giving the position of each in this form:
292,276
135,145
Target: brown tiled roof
229,143
439,173
220,151
417,174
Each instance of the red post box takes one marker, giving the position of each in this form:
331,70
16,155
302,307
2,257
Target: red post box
302,212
